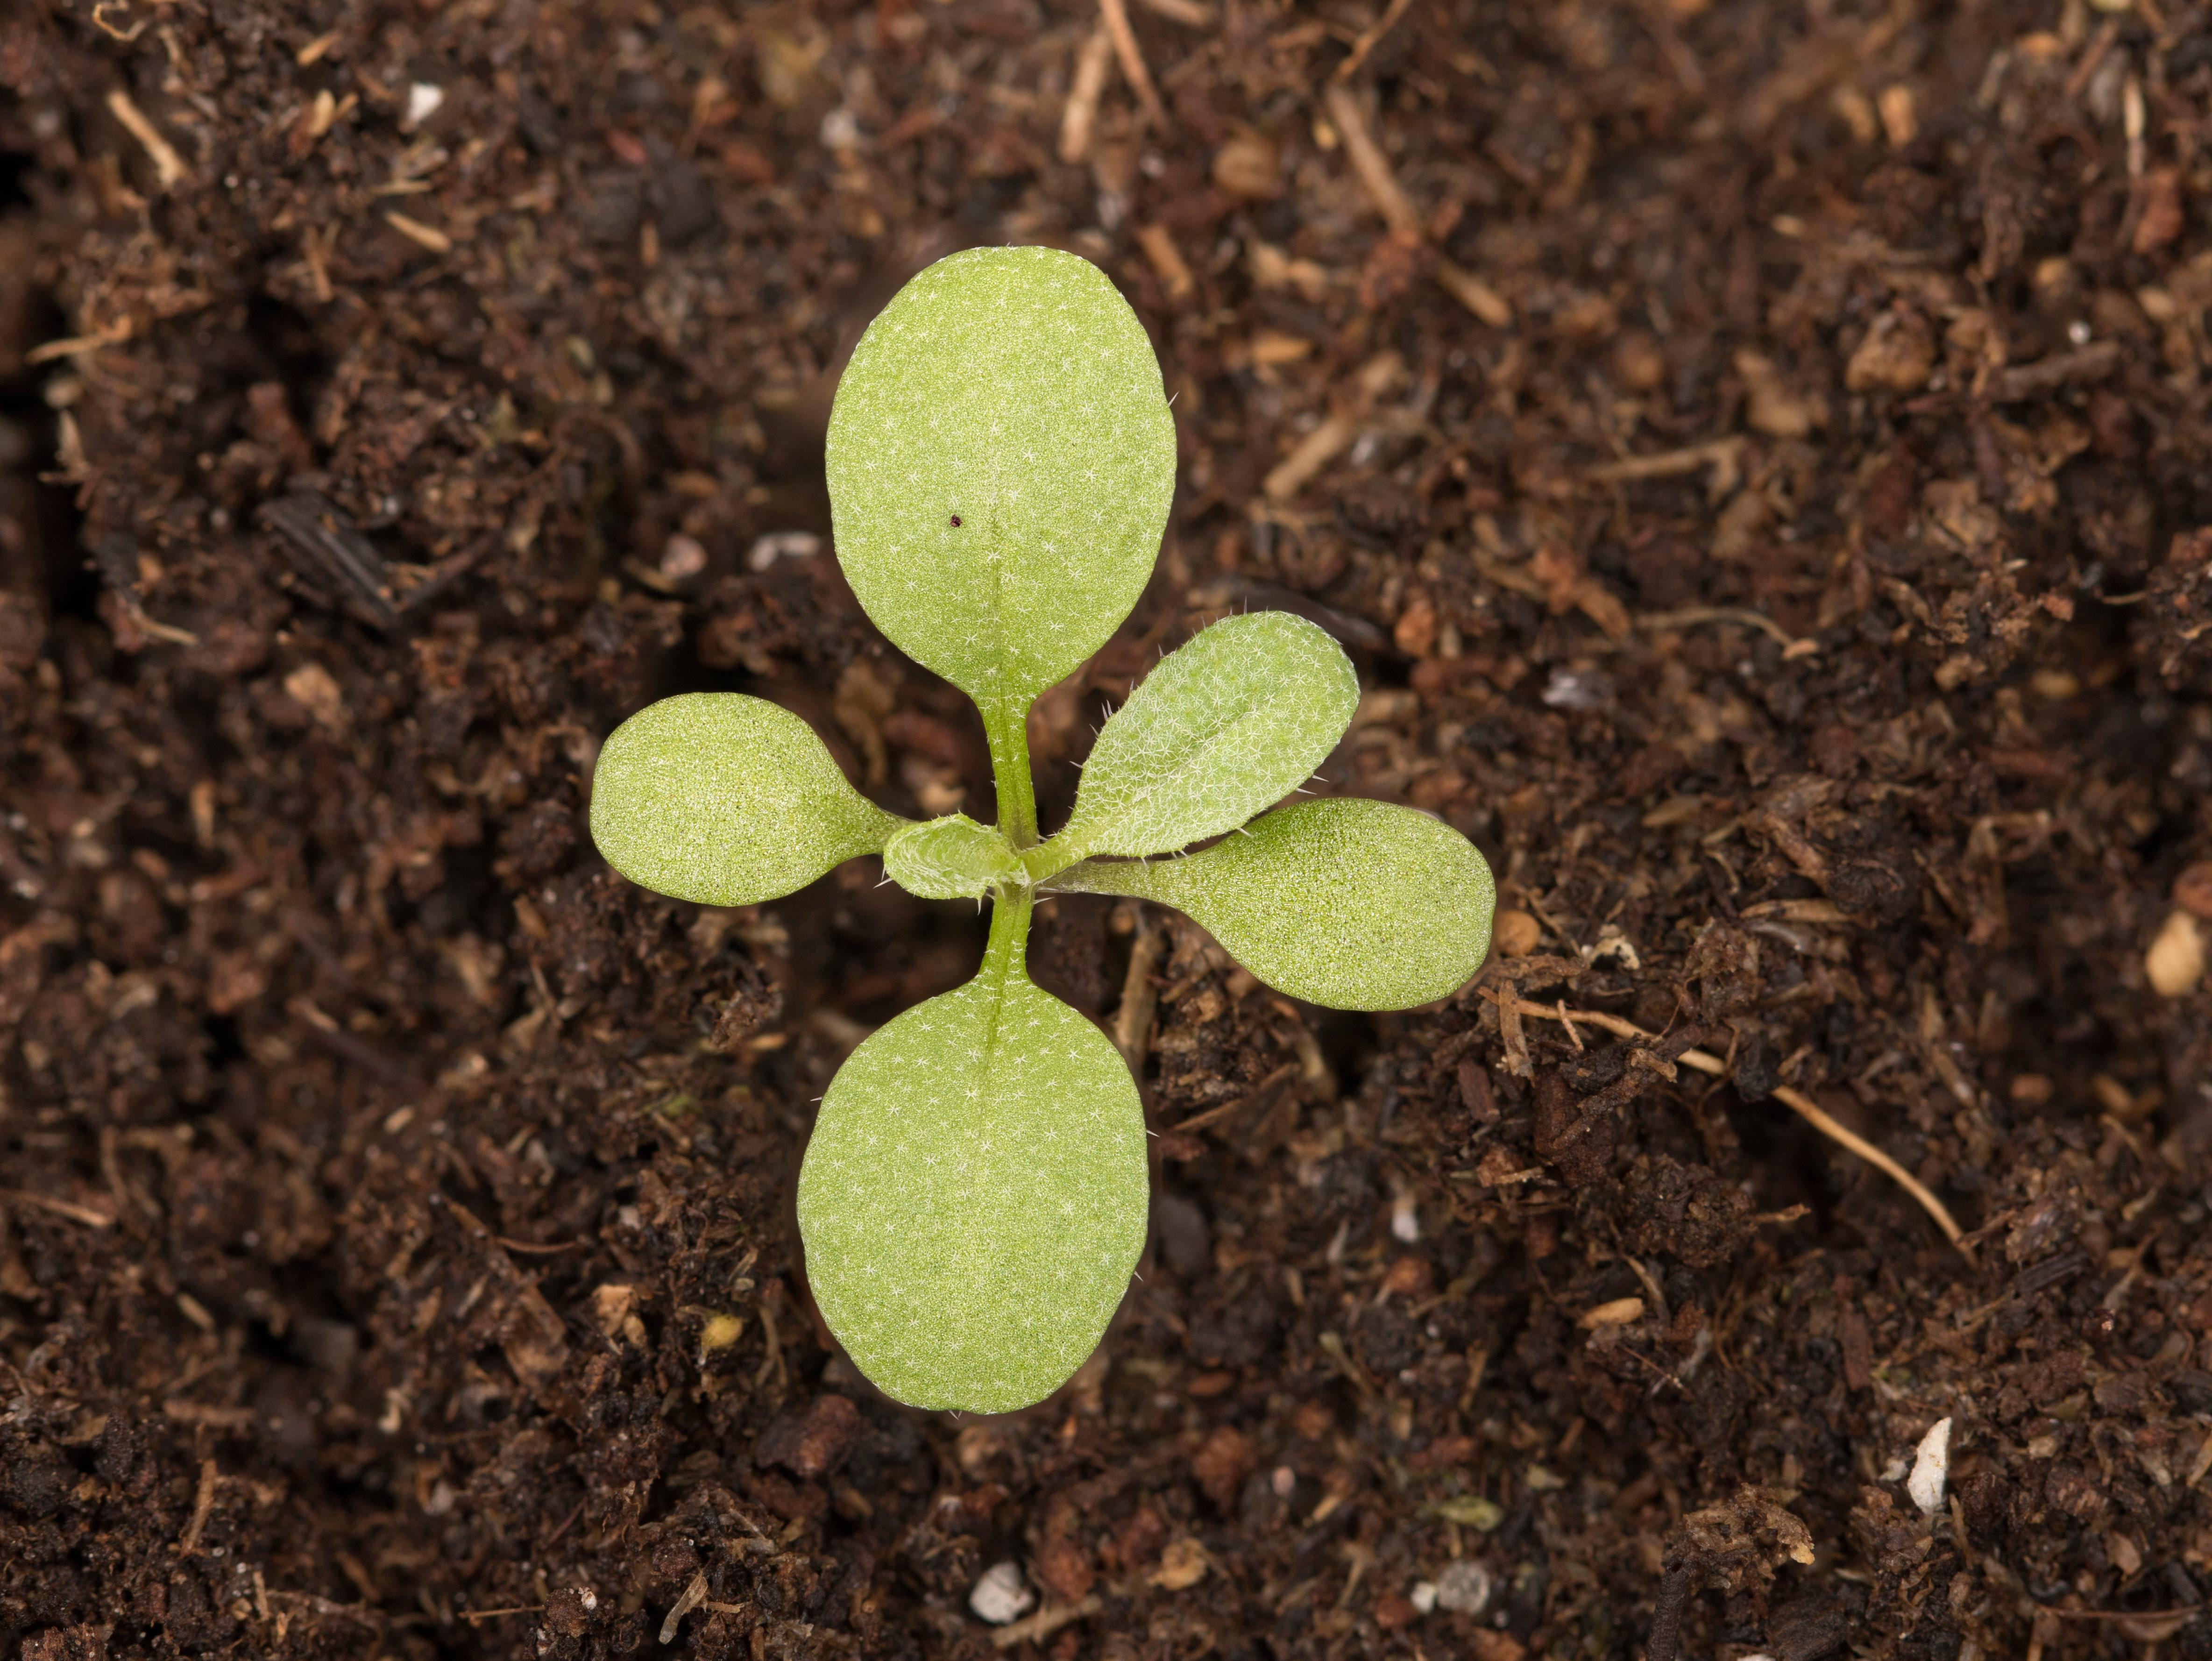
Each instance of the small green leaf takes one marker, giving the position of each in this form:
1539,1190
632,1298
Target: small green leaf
1230,722
1353,905
951,858
974,1195
727,800
1001,462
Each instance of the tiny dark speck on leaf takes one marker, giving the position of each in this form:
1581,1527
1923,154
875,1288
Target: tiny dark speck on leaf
956,521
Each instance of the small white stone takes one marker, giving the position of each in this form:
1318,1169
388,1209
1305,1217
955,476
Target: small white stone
1464,1587
1423,1597
1000,1595
422,100
1931,1468
1405,1219
782,544
683,556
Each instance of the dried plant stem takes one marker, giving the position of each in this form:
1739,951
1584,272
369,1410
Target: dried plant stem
1796,1101
1115,14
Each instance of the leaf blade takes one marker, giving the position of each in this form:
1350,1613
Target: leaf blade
974,1195
1228,723
1349,903
727,800
1012,391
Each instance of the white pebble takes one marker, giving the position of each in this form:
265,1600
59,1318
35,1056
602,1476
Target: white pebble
1423,1597
683,556
1464,1587
422,101
1931,1468
1000,1595
783,545
1405,1218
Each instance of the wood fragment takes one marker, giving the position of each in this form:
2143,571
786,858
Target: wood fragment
1802,1105
1723,455
169,167
1792,646
1380,181
1045,1622
74,1213
80,345
1085,86
1375,174
414,230
202,1503
2061,369
1189,12
1313,453
1115,14
694,1594
1167,259
1133,1022
1472,292
1369,39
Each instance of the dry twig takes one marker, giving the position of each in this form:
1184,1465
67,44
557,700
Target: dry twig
1802,1105
169,167
1380,181
1115,14
1368,40
1084,87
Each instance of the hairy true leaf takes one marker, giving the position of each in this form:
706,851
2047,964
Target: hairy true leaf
1230,722
1353,905
1001,463
727,800
974,1195
952,858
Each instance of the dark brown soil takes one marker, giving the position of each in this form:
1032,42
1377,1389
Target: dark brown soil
1759,458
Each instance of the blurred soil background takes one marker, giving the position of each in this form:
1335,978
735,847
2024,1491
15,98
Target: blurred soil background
1758,455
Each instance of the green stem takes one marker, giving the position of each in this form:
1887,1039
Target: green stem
1008,949
1009,736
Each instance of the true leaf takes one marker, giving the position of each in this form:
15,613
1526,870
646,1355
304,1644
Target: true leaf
1354,904
1001,463
727,800
950,858
974,1196
1230,722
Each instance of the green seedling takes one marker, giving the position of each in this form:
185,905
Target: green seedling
1001,461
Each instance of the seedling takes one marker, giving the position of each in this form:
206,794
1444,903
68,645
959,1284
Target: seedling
1001,461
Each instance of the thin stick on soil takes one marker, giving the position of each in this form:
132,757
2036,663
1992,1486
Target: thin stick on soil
1801,1104
1370,39
1089,81
74,1213
1116,13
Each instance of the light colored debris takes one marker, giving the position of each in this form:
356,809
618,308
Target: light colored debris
1620,1313
782,544
427,236
1115,16
1463,1588
1167,259
169,167
1001,1594
1931,1468
1085,86
2175,961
